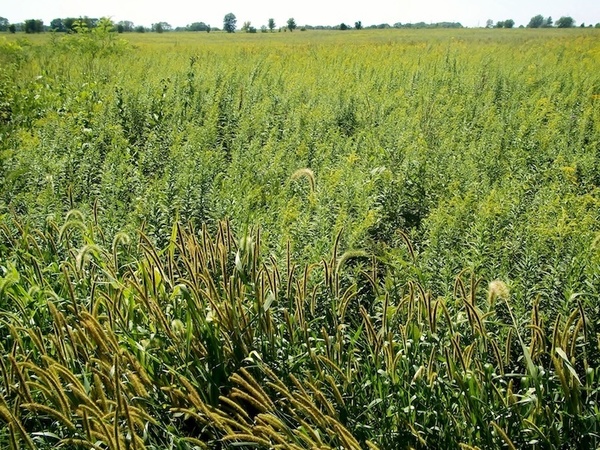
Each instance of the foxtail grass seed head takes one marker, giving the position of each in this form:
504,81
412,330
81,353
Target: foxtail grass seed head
305,173
497,289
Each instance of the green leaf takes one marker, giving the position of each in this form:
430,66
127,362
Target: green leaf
571,369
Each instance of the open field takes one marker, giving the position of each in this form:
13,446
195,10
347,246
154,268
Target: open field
361,239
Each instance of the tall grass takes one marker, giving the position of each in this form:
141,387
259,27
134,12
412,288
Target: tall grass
419,131
204,344
347,240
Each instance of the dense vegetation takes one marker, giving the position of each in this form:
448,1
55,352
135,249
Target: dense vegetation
382,239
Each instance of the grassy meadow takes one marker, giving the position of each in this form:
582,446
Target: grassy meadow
363,239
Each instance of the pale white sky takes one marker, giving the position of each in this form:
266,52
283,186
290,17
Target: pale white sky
470,13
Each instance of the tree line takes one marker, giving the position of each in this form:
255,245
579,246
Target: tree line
230,25
538,21
69,25
66,25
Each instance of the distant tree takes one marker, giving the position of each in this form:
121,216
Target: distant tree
597,25
126,25
358,25
500,24
34,26
198,26
68,23
4,24
536,21
57,25
548,22
263,29
509,23
140,29
246,26
229,22
489,23
565,22
271,24
291,24
161,27
13,29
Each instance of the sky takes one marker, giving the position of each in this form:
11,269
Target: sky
470,13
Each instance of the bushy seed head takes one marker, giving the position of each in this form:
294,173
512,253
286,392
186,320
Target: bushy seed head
498,289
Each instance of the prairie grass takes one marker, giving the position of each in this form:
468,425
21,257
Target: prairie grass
205,344
379,239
